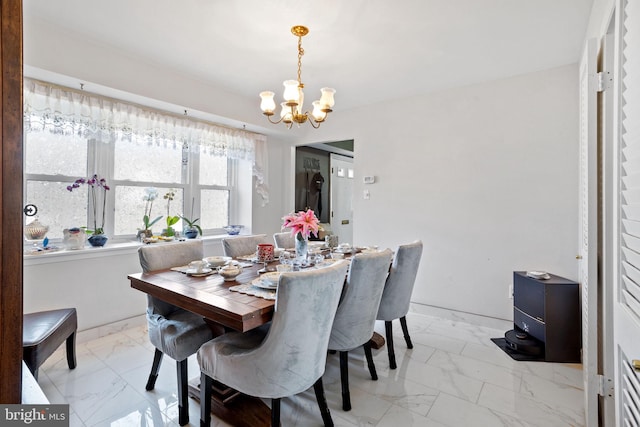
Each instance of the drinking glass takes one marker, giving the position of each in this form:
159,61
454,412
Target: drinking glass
265,255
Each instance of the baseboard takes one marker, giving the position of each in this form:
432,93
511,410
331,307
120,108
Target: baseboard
476,319
110,328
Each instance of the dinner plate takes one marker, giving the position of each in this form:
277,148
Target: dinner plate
194,272
259,283
271,277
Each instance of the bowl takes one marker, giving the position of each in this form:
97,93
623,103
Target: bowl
232,230
217,261
230,271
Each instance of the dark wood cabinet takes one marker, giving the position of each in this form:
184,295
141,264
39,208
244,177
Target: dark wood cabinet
549,311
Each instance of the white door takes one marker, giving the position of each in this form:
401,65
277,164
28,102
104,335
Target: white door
627,286
607,208
341,197
587,233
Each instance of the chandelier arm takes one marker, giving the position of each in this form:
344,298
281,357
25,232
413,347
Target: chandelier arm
315,126
271,121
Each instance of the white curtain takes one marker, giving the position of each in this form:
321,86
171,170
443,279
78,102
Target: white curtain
62,110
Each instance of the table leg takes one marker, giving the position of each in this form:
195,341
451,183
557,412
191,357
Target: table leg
377,341
234,407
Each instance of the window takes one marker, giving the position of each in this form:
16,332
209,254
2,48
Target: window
69,135
55,161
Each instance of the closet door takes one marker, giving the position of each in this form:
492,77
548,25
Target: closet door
588,231
627,296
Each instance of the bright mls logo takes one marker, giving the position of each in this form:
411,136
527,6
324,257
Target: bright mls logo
34,415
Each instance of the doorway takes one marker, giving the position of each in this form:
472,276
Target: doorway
315,183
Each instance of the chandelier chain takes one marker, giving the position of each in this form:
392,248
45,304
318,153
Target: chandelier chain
300,53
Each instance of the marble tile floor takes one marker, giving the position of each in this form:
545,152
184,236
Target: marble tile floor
454,376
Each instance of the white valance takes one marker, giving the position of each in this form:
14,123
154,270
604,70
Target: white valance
62,110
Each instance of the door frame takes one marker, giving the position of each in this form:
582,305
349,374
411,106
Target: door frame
11,195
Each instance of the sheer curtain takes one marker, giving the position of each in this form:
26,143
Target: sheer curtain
62,110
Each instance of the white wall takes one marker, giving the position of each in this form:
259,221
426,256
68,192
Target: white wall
485,175
94,280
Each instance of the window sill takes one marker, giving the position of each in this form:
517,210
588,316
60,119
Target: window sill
110,249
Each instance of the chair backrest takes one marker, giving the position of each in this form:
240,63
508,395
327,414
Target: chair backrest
356,316
284,240
167,255
242,245
396,296
295,347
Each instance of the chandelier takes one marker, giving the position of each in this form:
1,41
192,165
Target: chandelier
291,111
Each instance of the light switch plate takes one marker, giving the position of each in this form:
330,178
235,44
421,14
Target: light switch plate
369,179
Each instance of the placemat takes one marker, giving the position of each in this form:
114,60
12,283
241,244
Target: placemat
249,289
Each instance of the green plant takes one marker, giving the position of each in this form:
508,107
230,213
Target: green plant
171,220
192,224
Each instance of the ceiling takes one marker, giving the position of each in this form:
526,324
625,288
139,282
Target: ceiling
368,50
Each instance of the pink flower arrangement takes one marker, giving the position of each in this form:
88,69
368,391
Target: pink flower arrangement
302,224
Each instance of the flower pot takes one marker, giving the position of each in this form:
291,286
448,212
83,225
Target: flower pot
191,233
98,240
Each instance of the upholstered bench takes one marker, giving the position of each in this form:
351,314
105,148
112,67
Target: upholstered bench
43,332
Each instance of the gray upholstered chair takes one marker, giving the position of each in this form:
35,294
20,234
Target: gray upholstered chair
356,316
284,240
291,357
397,293
242,245
173,331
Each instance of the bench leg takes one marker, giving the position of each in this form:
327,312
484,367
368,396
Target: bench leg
71,351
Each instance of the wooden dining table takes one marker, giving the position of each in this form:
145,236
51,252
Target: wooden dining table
210,297
224,310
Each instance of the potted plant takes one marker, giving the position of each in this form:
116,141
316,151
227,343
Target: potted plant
97,190
192,230
150,194
171,220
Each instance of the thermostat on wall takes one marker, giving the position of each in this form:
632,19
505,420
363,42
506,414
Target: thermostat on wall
369,179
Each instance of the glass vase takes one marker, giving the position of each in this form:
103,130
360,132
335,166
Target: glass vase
302,246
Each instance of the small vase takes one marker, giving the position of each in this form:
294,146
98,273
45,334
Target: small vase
74,238
302,246
144,234
97,240
191,233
